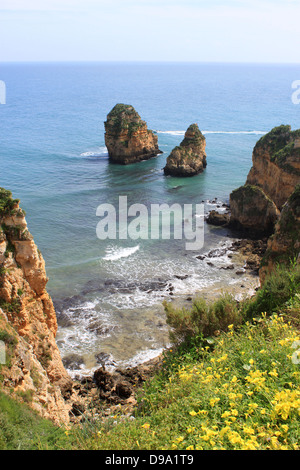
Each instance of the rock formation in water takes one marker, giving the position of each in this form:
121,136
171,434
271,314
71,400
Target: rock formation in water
189,158
127,138
273,177
284,245
33,367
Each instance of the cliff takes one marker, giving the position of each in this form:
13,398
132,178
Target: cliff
255,207
276,164
284,245
189,158
33,366
252,211
127,138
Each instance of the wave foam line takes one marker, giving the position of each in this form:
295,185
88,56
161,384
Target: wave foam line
215,132
114,253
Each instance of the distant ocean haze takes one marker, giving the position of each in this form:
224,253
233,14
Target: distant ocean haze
54,159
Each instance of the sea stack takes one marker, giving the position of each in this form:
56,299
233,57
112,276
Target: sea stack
189,158
127,138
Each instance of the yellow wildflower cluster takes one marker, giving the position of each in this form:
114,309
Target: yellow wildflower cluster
286,403
250,407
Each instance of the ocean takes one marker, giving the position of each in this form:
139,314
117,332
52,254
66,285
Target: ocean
108,294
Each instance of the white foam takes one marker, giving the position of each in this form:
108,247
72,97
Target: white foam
115,253
100,152
215,132
143,356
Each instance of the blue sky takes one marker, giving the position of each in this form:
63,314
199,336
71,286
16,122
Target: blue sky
150,30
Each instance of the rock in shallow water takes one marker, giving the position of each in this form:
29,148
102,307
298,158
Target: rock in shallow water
127,138
189,158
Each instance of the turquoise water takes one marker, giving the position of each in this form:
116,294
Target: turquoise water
108,294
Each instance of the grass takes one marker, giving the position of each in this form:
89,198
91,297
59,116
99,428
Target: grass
242,393
23,429
230,382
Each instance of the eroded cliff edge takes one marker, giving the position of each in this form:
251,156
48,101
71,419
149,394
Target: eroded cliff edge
33,368
275,173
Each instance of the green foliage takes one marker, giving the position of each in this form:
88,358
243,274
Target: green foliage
242,395
203,319
21,428
11,307
7,203
7,338
279,287
280,142
123,117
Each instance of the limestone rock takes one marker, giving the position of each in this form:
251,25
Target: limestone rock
127,138
27,309
252,210
217,218
284,245
273,177
276,164
189,158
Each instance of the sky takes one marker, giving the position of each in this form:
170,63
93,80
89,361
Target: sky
264,31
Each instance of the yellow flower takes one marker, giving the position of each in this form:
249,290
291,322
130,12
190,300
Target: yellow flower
248,430
213,401
146,426
193,413
190,430
190,448
273,373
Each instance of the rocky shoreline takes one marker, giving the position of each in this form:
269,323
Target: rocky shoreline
111,389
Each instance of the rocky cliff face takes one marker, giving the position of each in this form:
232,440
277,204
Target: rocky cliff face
252,211
127,138
275,173
284,245
276,164
27,319
189,158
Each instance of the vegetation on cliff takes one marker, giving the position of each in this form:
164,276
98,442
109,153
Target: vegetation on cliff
127,138
188,158
237,388
270,182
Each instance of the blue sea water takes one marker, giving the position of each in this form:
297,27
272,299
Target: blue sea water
53,157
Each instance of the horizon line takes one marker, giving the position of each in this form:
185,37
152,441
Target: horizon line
145,62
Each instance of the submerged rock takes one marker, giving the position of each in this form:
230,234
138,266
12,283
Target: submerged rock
127,138
189,158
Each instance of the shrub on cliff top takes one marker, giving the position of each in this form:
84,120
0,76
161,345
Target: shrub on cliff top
203,319
7,203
